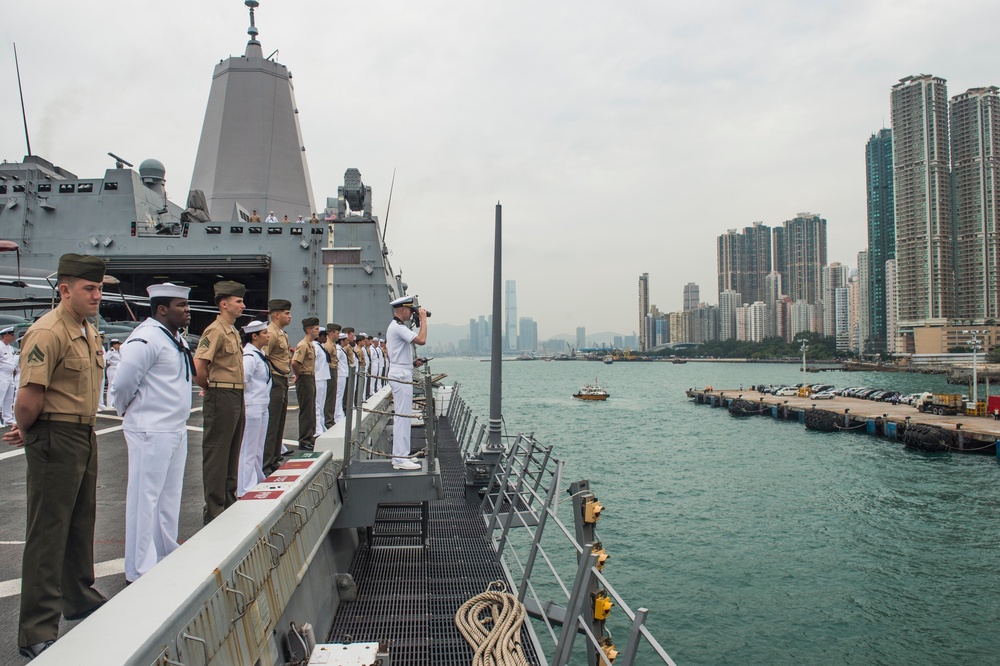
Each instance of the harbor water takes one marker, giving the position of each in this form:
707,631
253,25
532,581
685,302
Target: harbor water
753,541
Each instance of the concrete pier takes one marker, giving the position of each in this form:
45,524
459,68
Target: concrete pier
961,433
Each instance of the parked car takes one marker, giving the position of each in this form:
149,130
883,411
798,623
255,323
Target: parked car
787,391
891,395
822,395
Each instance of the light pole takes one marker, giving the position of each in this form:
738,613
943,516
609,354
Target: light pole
804,348
975,343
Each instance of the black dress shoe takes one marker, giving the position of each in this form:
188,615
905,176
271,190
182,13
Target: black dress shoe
87,613
33,651
306,447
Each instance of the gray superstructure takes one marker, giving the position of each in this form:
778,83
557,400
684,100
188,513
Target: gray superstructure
250,157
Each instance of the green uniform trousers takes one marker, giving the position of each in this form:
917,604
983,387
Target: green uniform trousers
57,574
330,406
225,417
276,412
305,395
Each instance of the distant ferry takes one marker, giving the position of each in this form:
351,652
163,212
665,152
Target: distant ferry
592,392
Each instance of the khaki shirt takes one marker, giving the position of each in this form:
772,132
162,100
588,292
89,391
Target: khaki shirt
220,345
65,358
331,349
360,352
277,350
305,355
351,357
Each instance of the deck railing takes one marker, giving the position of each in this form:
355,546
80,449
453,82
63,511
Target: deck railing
520,502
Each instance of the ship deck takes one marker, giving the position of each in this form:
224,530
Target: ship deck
408,593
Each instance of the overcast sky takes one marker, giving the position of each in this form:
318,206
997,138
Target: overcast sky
621,137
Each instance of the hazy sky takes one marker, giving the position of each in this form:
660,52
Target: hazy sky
621,137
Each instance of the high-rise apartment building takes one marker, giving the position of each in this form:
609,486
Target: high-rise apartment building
921,197
643,310
862,309
891,308
528,334
772,299
802,253
975,169
800,318
842,314
691,297
581,337
835,276
510,329
881,231
750,321
744,260
729,302
677,331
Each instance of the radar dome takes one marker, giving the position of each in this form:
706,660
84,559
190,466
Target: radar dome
152,170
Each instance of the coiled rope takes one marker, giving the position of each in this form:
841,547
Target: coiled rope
491,624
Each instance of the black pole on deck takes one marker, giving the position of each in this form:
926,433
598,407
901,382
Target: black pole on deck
494,440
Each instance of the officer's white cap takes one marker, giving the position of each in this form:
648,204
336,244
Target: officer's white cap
9,329
167,290
400,302
254,327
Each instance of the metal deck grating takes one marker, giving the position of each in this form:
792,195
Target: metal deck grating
409,596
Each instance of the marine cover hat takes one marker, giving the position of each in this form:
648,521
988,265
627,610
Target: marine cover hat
310,321
277,304
82,266
230,288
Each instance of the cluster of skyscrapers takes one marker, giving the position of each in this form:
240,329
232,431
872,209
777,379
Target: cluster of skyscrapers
520,334
931,266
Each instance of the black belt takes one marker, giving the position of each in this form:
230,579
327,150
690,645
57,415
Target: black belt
68,418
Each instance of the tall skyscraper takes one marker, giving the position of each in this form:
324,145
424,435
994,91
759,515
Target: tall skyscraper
863,306
842,315
891,308
581,337
975,168
772,299
677,330
691,298
881,231
643,310
802,257
729,302
835,276
528,334
744,260
924,267
510,327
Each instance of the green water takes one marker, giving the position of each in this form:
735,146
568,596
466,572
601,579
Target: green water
754,541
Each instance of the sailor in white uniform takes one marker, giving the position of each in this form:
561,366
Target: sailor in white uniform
102,402
322,380
257,397
400,340
8,375
112,358
152,390
342,370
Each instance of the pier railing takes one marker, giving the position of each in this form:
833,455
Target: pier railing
521,500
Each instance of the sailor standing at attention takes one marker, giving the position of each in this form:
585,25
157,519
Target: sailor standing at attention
304,366
8,376
322,380
112,358
331,345
257,396
219,361
61,369
152,390
279,357
343,369
400,340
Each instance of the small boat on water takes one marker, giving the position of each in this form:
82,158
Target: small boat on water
592,392
608,360
678,361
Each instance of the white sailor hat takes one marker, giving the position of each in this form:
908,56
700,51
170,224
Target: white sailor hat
5,331
362,335
342,336
255,326
406,301
113,340
167,290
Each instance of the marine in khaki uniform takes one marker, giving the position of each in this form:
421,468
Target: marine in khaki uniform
62,364
304,366
219,365
279,357
330,407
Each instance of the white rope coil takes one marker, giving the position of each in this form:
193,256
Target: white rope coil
491,623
